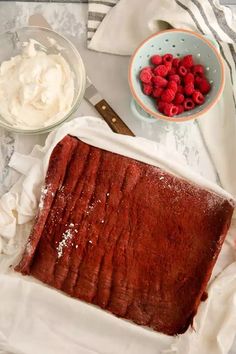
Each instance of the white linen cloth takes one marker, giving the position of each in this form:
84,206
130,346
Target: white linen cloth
36,319
97,10
131,21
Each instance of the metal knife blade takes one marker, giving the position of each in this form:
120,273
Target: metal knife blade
91,93
109,115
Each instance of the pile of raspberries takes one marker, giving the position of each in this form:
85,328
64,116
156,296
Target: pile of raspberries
176,84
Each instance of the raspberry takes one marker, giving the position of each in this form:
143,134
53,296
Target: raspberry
175,78
173,86
180,108
189,78
187,61
198,69
159,81
180,89
204,86
198,97
189,89
167,58
179,98
148,68
172,71
161,106
147,89
176,62
170,110
161,70
155,71
188,104
156,59
197,80
177,85
145,76
168,65
168,95
182,70
157,92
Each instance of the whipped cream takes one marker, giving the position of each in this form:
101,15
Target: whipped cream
36,88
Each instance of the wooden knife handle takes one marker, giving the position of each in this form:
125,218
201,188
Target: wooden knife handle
113,120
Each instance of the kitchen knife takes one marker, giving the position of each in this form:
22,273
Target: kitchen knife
109,115
91,93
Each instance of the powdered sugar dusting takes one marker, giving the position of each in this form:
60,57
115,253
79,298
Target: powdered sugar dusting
181,188
91,207
44,191
66,237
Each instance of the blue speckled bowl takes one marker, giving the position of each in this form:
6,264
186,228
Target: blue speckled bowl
178,43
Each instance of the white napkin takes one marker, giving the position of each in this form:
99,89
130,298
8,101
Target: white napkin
38,320
131,21
97,10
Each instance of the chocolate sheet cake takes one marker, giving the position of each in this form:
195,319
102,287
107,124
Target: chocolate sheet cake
129,237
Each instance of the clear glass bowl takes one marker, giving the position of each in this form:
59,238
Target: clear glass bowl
11,45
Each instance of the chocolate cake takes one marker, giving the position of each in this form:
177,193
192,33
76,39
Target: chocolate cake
124,235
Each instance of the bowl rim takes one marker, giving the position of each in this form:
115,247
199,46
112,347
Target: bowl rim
195,115
78,99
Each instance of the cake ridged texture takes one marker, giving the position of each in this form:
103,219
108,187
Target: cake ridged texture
126,236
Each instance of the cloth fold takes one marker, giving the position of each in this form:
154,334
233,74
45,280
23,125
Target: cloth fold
30,307
97,10
19,205
134,21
